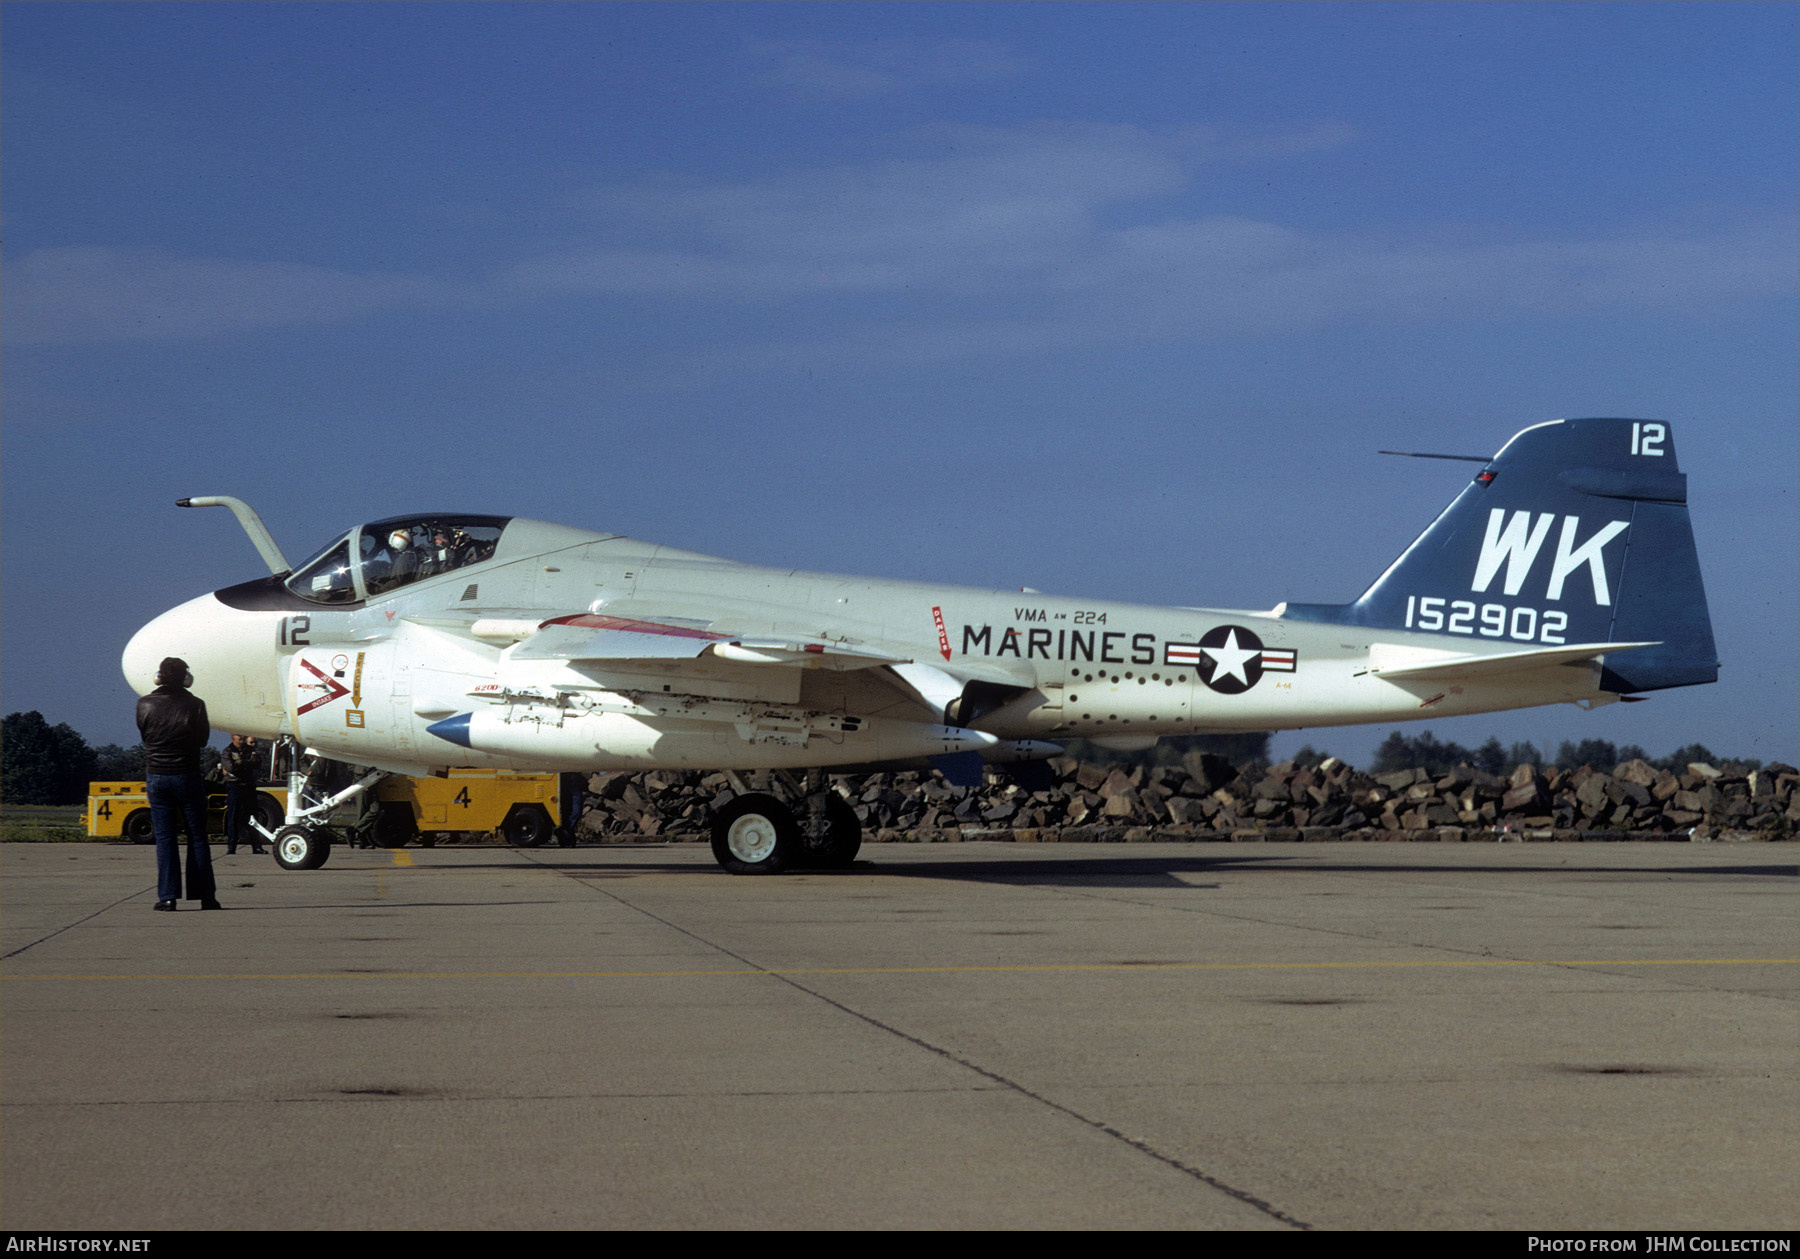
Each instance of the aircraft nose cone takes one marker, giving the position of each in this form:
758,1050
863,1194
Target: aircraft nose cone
230,651
181,631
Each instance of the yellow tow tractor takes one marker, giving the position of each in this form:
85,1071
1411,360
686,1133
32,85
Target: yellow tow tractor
523,808
121,809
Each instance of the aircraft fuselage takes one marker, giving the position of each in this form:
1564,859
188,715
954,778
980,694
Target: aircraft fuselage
366,683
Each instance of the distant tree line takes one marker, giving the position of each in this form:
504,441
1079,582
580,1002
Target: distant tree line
1398,751
1401,751
45,764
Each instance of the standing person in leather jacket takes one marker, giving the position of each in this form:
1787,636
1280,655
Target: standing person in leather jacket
240,768
172,722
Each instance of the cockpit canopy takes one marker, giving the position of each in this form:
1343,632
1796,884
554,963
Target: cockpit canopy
378,558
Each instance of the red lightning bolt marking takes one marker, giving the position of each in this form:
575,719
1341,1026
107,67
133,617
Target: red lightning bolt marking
333,689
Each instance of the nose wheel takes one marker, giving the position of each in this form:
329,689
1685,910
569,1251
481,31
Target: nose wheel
302,847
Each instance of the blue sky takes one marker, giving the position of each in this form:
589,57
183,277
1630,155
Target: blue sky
1115,299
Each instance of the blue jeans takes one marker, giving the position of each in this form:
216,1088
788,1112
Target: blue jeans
180,798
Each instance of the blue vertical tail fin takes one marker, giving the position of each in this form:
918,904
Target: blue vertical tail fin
1576,532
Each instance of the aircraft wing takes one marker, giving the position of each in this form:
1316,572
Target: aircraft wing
591,636
976,687
1460,667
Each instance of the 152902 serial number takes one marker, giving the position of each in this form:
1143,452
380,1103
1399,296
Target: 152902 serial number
1490,620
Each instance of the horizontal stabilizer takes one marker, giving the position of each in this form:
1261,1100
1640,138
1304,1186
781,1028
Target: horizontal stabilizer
1495,667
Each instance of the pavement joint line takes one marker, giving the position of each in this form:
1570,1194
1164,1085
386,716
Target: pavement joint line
752,971
1135,1143
70,925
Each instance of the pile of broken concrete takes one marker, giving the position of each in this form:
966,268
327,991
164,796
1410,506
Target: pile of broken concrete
1207,798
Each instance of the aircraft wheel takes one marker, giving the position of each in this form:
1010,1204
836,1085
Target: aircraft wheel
527,826
394,825
138,828
754,834
269,811
302,847
836,849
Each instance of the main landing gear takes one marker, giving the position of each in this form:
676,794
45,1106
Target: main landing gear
756,833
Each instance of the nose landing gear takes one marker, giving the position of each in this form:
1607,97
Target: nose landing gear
304,843
302,847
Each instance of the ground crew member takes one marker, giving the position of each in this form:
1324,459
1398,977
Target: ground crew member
173,725
240,768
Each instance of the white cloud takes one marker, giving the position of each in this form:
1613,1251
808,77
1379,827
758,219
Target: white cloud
87,293
996,202
1057,234
837,71
998,240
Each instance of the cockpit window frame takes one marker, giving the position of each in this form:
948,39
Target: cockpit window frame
326,553
358,559
352,541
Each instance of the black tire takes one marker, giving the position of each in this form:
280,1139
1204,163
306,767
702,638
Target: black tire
837,848
302,847
755,834
394,825
269,812
428,839
138,827
527,826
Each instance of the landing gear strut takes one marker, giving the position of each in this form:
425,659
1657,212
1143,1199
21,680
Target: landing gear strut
756,833
830,834
304,843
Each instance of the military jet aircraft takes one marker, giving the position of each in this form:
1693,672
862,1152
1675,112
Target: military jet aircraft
1564,572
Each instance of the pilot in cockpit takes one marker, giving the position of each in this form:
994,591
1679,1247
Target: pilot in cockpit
393,567
406,556
449,549
392,553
